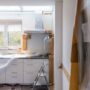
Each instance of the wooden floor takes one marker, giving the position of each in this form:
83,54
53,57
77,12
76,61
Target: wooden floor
5,87
15,88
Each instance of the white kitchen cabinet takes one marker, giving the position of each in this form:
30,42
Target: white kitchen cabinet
28,21
48,21
2,72
14,72
22,71
2,77
31,68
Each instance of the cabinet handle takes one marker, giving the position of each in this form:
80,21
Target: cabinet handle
14,72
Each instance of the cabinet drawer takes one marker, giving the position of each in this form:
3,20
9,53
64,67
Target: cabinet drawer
29,77
2,77
32,65
14,67
14,73
33,61
14,77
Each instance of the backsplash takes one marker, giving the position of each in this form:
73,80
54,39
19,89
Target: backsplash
36,43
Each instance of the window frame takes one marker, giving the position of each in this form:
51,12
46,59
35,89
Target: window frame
6,39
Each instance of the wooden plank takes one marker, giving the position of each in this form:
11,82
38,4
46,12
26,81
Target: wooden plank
51,59
74,58
74,79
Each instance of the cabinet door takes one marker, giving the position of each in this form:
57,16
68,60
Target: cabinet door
14,73
28,21
31,68
2,72
2,77
48,21
29,78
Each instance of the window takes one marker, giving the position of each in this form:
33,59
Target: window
1,35
10,36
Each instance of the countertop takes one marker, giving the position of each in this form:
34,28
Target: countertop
22,56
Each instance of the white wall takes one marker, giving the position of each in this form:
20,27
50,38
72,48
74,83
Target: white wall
69,13
26,2
58,45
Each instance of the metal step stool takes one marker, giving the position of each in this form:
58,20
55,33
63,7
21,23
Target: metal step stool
41,74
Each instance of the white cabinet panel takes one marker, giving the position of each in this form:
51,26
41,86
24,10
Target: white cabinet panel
2,72
29,77
48,21
2,77
14,73
32,65
22,71
14,77
31,68
28,21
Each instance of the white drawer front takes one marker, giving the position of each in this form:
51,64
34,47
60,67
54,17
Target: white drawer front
14,73
33,65
2,77
15,66
14,77
29,77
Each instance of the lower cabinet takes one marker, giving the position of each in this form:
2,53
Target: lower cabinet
3,72
23,71
14,72
2,77
31,69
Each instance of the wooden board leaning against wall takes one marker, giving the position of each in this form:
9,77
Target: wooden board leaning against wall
51,59
74,79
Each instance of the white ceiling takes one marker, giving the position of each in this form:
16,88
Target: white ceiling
26,2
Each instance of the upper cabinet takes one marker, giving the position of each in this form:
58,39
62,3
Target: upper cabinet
28,21
32,18
33,21
48,20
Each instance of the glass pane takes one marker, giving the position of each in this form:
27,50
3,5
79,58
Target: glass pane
14,35
1,35
14,38
1,39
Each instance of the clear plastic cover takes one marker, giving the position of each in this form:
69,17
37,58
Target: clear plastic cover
84,51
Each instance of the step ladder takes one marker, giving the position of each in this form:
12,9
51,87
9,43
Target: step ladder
41,74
